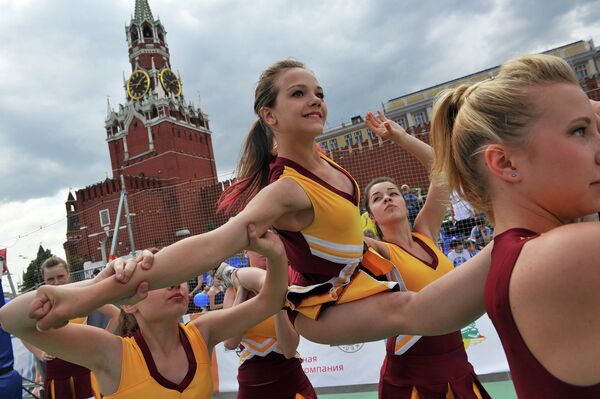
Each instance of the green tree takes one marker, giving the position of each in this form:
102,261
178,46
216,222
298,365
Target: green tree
32,277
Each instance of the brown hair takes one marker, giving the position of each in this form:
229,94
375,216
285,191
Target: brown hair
252,172
127,322
377,180
54,261
469,118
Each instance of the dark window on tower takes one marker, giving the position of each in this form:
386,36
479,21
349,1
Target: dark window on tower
147,31
134,34
161,35
73,222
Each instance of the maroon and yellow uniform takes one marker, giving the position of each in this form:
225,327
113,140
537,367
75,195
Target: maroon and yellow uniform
426,367
68,380
264,372
325,256
140,377
531,379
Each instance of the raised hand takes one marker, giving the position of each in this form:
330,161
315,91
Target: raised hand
383,127
123,269
54,306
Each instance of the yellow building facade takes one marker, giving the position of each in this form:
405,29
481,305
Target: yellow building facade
413,110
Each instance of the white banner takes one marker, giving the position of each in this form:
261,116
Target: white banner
358,364
324,365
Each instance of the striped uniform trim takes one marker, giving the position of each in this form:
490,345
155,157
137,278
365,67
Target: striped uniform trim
334,252
257,348
333,258
332,245
404,343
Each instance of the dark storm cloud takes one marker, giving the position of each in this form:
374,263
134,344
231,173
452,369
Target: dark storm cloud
62,58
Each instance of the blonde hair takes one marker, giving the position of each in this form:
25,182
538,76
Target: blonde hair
469,118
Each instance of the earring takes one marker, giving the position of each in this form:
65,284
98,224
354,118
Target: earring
514,174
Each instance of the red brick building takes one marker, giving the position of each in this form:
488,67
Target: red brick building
161,144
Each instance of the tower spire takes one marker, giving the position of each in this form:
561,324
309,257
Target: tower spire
142,12
109,110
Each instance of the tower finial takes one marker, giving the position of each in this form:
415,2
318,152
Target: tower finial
109,110
142,12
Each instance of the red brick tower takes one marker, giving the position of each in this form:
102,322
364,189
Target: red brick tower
161,145
156,133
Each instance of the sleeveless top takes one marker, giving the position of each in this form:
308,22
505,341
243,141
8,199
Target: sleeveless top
530,378
66,379
140,377
260,340
262,362
331,247
417,274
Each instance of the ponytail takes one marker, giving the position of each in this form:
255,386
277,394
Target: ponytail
252,171
445,112
127,324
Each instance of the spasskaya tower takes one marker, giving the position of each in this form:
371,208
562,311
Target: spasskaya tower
161,155
156,132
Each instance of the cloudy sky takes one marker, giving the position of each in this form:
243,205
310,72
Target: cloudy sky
60,59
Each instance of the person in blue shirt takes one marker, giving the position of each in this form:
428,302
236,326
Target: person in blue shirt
481,233
413,202
11,386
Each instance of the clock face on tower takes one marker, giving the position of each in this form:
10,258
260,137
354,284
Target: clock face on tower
170,82
138,84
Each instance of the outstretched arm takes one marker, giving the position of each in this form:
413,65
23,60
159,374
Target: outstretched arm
179,262
288,338
443,306
451,302
220,325
387,129
233,298
71,343
429,219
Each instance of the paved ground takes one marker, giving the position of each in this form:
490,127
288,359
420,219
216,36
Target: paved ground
497,390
